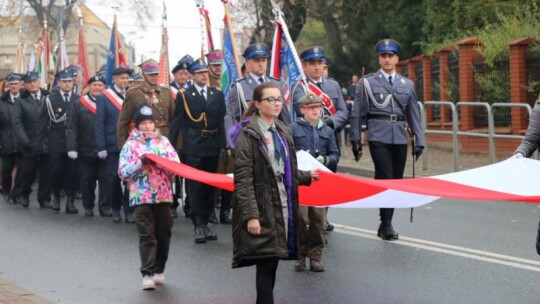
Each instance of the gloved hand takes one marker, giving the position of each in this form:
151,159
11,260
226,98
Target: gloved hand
330,123
417,151
102,154
517,155
322,159
224,157
72,154
356,149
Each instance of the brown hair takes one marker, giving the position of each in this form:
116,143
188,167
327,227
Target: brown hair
252,109
258,92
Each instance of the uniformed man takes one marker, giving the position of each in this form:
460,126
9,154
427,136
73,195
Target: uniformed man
155,95
335,112
108,106
241,91
215,59
63,171
9,151
81,145
386,103
201,110
137,80
30,130
180,83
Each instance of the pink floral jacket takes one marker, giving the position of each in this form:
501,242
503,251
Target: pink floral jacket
148,183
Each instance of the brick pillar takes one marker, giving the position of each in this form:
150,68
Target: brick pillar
428,96
518,80
444,83
411,69
466,80
399,67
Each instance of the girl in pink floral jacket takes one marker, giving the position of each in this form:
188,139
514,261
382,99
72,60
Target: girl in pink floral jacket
150,193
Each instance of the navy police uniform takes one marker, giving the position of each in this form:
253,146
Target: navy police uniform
386,106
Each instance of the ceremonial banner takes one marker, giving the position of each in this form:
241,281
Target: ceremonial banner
164,76
44,57
230,69
83,58
62,60
116,53
510,180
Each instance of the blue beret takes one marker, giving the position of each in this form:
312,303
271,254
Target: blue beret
121,70
389,46
13,78
31,76
198,66
315,53
257,50
65,75
183,64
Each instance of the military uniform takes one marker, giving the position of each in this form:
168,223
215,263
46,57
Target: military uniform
203,133
156,96
386,106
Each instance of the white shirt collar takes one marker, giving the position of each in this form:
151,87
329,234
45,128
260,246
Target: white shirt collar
315,81
256,78
387,75
198,88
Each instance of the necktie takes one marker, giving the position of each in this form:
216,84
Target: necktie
36,98
66,97
390,80
202,94
319,84
261,80
278,146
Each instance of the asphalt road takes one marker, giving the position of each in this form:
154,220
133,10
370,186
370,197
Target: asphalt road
454,252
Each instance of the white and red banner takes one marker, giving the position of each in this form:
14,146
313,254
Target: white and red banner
509,180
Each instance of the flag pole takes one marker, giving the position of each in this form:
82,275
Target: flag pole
233,39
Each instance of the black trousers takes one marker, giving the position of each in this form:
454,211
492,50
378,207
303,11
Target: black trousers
26,175
63,172
178,186
154,224
201,196
9,162
389,161
95,170
265,280
119,197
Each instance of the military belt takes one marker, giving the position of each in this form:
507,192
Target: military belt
391,117
207,133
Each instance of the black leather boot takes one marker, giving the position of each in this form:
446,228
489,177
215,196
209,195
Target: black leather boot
117,218
213,218
200,237
55,204
70,206
25,202
225,216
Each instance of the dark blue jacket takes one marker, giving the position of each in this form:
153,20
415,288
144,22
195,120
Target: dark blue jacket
324,145
106,123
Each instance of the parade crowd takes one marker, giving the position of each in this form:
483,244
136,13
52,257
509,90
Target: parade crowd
73,143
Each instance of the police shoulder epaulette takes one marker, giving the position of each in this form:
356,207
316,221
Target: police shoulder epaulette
368,75
274,78
240,79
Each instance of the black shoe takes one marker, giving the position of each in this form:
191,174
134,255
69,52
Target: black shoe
88,212
70,207
174,213
387,233
300,264
78,195
25,202
45,205
55,204
209,235
105,213
117,218
200,237
129,218
213,218
6,197
316,266
225,217
329,227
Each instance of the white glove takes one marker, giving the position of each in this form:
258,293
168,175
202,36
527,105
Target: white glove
102,154
72,154
517,155
321,159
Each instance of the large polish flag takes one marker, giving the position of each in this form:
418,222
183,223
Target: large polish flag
509,180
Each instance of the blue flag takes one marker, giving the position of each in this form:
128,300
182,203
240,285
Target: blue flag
229,70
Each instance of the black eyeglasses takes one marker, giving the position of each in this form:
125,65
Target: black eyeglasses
273,100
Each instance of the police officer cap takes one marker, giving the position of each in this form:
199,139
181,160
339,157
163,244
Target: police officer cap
309,99
388,46
65,75
143,112
13,78
73,70
257,50
215,57
183,64
198,66
315,53
121,70
98,77
31,76
137,77
149,67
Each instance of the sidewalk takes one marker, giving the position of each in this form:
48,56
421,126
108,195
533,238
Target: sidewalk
439,161
13,294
